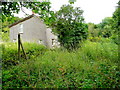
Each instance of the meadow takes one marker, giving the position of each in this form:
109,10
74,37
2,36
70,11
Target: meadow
93,65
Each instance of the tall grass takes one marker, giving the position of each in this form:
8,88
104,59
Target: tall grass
94,65
10,52
98,51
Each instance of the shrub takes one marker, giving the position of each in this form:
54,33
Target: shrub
10,52
94,39
91,66
69,27
115,39
96,50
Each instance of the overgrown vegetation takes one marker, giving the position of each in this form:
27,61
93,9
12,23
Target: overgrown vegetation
94,65
4,29
69,27
108,28
10,53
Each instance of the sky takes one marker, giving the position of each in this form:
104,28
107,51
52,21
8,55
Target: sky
94,10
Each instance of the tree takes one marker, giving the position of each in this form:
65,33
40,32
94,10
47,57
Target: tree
72,1
9,8
116,25
69,26
92,28
116,18
41,8
4,30
105,27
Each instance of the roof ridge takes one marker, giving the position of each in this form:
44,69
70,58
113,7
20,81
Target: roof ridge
26,18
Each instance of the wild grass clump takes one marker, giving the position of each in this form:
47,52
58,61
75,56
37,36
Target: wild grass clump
113,39
97,51
90,66
10,52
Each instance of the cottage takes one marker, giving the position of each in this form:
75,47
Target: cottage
33,29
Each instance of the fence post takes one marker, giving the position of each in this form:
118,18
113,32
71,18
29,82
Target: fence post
23,50
19,47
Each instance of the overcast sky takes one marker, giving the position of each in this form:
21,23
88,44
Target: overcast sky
94,10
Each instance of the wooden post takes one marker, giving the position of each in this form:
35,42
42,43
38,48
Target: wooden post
19,47
23,50
20,44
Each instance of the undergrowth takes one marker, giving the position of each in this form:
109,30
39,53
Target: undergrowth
94,65
10,53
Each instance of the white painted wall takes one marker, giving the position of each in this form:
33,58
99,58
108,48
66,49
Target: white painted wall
34,30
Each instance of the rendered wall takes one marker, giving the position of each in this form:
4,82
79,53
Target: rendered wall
34,30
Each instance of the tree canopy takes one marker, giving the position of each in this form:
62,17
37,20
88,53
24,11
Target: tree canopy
116,18
9,8
70,27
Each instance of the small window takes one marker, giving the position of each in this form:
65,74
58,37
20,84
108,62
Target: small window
40,42
53,42
14,40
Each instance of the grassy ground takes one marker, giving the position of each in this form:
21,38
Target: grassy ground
94,65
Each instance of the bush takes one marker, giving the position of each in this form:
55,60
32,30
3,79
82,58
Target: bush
112,39
94,39
10,52
69,27
91,66
115,39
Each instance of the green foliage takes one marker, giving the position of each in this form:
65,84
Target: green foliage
8,8
109,27
72,1
94,65
92,29
96,50
105,27
41,8
4,30
10,53
94,39
115,39
116,18
69,26
106,21
103,32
